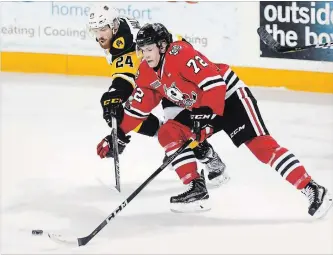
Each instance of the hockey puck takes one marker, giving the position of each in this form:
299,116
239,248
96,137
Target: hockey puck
37,232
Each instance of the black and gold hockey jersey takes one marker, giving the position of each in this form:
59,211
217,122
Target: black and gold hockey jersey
122,54
124,65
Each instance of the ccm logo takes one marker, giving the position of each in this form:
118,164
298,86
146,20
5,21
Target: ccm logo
113,101
201,117
236,131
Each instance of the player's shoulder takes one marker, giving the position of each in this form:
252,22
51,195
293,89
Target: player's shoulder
178,52
145,75
129,23
124,40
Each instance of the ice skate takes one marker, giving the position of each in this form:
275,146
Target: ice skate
214,166
320,201
194,199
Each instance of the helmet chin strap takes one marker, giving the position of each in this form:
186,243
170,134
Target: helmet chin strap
115,26
156,68
162,55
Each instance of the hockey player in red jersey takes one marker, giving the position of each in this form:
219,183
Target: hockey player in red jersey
116,35
216,97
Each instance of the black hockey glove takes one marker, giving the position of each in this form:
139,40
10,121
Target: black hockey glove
112,105
105,148
201,118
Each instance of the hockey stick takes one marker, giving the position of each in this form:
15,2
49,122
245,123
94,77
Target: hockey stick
115,151
84,240
268,39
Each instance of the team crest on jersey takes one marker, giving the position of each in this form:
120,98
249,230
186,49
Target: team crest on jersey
119,43
175,50
180,98
155,84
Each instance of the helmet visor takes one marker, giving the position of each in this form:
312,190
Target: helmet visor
145,41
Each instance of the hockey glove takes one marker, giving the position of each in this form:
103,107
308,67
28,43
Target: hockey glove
201,118
112,106
105,148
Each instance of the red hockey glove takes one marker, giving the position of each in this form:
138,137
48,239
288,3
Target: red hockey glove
201,118
105,148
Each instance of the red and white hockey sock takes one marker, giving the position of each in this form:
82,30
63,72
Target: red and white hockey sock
185,165
289,167
171,136
267,150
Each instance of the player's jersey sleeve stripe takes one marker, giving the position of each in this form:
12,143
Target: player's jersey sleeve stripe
226,75
136,113
229,77
211,82
208,79
233,82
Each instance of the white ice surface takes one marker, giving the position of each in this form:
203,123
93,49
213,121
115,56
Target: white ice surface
52,179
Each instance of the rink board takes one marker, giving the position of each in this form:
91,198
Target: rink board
97,66
59,43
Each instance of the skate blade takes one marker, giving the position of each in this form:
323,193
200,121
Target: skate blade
325,206
194,207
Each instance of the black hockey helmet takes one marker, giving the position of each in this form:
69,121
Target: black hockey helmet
153,33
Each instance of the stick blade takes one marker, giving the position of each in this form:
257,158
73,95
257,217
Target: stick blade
60,239
268,39
84,240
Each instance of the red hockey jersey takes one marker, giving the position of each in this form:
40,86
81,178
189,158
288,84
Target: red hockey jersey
186,78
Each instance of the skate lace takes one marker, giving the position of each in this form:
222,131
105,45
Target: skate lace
190,186
310,193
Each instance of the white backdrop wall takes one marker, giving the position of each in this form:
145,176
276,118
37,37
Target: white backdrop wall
224,31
